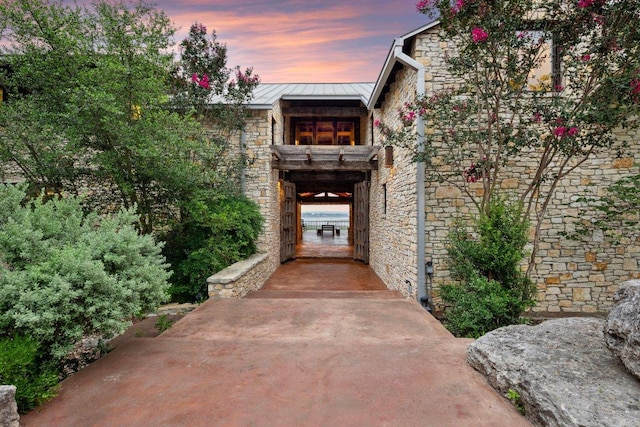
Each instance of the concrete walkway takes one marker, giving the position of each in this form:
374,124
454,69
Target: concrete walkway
346,353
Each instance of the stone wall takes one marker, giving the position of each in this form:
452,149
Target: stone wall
393,239
571,276
240,278
261,182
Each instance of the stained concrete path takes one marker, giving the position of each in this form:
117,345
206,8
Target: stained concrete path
346,353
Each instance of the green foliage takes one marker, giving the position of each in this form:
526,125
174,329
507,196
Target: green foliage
214,233
92,96
21,365
493,291
616,213
65,275
516,399
163,323
478,306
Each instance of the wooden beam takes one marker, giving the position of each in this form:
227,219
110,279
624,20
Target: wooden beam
325,165
372,154
275,153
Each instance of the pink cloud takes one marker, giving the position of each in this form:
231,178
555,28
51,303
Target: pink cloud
286,41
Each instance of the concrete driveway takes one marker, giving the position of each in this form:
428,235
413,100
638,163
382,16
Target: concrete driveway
296,355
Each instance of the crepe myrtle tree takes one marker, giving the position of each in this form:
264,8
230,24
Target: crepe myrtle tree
207,90
549,82
206,87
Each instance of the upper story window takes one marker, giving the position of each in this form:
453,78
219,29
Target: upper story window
325,131
546,75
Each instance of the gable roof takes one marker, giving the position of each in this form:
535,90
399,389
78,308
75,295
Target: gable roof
400,46
266,94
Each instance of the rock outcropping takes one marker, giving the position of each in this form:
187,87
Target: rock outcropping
561,371
8,408
622,327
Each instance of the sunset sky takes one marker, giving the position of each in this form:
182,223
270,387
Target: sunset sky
302,41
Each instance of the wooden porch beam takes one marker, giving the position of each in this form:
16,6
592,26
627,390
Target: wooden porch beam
325,165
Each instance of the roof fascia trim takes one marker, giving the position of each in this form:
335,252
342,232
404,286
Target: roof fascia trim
392,57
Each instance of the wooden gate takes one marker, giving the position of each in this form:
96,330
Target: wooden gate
287,221
361,222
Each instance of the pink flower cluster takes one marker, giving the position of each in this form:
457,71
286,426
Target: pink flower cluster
198,28
459,4
475,171
635,86
246,78
479,35
585,3
424,5
202,82
562,131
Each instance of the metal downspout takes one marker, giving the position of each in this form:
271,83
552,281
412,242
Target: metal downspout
420,173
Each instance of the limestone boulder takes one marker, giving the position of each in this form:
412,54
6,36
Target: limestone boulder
8,408
622,327
562,372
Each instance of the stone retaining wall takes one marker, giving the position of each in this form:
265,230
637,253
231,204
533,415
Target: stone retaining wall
8,408
239,279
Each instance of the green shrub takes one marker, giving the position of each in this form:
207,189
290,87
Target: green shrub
21,365
214,233
493,291
479,306
65,274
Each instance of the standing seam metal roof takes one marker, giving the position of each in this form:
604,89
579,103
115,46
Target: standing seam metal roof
266,94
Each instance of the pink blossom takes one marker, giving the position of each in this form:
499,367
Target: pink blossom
194,78
584,3
424,5
537,117
376,123
560,131
598,19
573,131
559,88
586,57
409,116
479,35
635,86
204,82
457,6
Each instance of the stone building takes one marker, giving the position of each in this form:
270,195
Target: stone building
314,140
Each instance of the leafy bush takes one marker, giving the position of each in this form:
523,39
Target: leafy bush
493,291
214,233
21,365
478,306
65,274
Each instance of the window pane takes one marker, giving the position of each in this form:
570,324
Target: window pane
304,133
324,133
345,133
540,77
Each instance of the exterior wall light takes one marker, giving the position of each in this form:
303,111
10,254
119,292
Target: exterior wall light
388,156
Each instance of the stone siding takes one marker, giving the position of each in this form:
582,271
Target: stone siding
240,278
261,182
393,239
571,276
